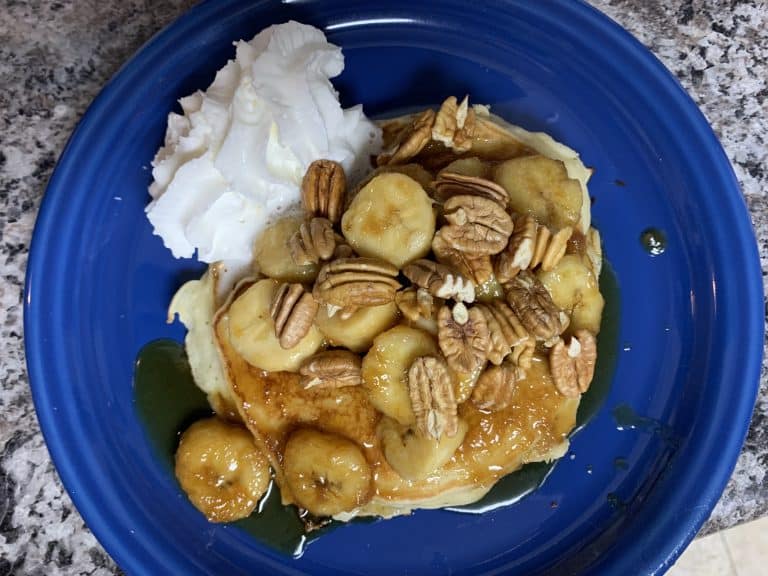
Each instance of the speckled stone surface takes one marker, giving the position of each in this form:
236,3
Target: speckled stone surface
54,58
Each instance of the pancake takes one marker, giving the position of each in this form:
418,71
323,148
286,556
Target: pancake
533,426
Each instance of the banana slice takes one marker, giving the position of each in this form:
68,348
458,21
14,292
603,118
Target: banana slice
222,471
385,369
326,473
471,166
540,186
252,331
357,330
390,218
273,257
415,457
573,287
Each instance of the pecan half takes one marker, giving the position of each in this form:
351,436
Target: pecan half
455,124
331,369
315,240
293,310
410,141
415,303
504,328
356,282
431,392
463,337
323,189
440,281
519,251
479,269
496,386
531,302
450,184
477,225
573,365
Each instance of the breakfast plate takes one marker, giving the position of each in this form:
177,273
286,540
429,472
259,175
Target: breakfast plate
644,472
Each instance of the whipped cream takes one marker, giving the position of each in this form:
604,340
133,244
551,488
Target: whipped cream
236,156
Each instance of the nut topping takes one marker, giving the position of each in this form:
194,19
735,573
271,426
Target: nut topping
522,354
519,252
594,252
504,328
331,369
323,189
440,281
356,282
315,240
463,337
533,305
455,124
415,303
573,365
496,386
549,248
450,184
477,226
432,399
477,268
411,140
293,310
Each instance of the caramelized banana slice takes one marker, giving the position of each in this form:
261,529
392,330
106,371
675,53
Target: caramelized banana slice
252,331
272,255
415,457
326,473
540,186
573,288
390,218
357,330
385,369
222,471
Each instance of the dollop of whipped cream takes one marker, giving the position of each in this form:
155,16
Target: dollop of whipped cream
236,156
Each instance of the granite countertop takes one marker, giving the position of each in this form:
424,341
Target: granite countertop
54,58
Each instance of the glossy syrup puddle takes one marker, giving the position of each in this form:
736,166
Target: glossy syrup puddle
168,401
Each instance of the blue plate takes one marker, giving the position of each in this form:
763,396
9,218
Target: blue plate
99,282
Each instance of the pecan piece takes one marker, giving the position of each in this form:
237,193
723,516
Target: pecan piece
431,392
356,282
293,310
455,124
315,240
504,328
531,302
522,354
415,303
496,386
440,281
410,141
331,369
450,184
550,248
323,189
594,252
479,269
462,335
573,365
477,225
519,251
